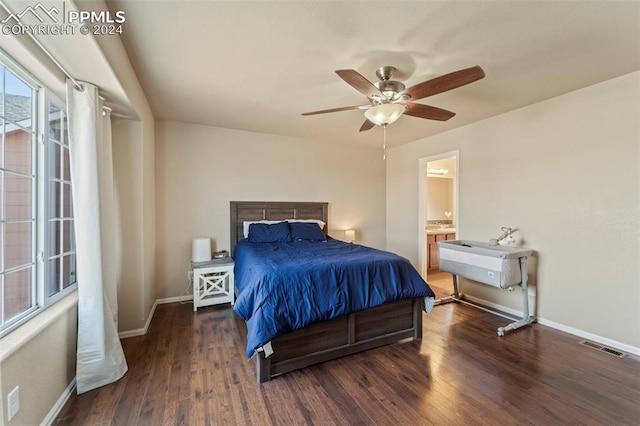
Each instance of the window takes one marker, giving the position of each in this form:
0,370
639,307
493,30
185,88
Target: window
61,243
37,251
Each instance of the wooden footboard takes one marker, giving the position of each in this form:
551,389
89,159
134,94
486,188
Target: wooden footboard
342,336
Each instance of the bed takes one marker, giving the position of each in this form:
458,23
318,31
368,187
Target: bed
354,329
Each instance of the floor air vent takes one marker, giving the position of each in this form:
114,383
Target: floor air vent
601,348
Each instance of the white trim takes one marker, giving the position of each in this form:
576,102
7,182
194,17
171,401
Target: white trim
422,219
174,299
143,331
140,331
590,336
557,326
57,407
21,71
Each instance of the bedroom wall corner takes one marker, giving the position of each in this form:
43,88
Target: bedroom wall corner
200,169
134,170
135,221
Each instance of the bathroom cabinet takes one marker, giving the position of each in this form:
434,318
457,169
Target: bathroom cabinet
433,255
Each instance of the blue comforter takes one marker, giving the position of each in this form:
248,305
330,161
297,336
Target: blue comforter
283,287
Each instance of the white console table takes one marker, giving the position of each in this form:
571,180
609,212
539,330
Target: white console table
213,282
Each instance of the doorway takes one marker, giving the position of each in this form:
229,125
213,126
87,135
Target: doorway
438,216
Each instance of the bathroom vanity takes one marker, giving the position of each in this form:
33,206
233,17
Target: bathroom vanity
433,253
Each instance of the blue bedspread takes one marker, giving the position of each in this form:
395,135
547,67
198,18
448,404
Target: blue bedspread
286,286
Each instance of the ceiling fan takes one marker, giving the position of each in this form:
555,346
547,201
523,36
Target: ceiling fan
389,99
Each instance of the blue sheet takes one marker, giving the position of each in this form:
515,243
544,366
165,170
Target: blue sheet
283,287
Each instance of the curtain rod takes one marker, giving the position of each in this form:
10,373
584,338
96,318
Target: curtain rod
55,61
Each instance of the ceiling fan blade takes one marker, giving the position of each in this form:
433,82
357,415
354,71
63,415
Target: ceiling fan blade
366,125
427,111
445,82
358,82
324,111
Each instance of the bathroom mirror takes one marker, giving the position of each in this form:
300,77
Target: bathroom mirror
440,194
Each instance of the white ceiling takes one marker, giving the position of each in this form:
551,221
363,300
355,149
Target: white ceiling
257,66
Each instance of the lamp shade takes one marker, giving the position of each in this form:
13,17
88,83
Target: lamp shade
350,235
384,114
201,250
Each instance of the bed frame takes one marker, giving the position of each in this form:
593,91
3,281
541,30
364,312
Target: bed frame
334,338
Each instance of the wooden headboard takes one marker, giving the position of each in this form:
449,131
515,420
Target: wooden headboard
242,211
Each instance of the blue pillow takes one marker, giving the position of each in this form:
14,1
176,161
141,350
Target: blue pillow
269,233
306,231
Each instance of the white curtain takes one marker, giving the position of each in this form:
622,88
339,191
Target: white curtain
100,359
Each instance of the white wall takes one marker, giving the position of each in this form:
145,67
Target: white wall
200,169
565,172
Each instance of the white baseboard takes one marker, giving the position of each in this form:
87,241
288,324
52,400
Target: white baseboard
140,331
143,331
57,407
174,299
561,327
590,336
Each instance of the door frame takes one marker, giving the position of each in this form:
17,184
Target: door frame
422,204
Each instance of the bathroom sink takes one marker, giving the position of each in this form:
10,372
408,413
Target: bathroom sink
432,231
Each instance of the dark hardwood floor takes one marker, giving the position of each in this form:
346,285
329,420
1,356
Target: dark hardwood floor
190,369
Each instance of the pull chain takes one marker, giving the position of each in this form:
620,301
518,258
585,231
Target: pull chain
384,142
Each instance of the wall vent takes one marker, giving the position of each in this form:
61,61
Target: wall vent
601,348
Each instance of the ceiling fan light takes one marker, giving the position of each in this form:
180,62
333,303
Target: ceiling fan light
384,114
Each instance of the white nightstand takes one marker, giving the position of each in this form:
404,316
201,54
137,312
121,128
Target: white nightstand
213,282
